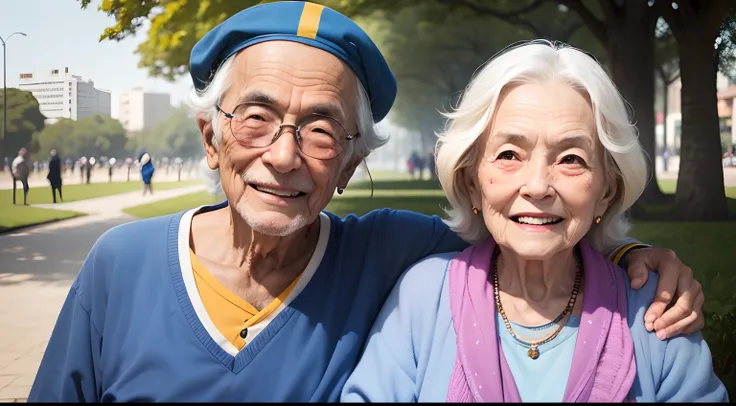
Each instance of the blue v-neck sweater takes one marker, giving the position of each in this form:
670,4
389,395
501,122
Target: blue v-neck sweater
128,330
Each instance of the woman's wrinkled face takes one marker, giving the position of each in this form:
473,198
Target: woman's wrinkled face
540,179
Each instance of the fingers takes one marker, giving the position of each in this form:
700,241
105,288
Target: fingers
700,321
685,311
678,327
673,277
638,274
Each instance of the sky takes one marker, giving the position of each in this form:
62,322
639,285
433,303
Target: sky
60,34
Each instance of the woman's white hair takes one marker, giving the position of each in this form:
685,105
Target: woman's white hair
541,61
203,104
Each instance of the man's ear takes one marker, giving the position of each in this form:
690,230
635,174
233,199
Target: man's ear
348,171
208,138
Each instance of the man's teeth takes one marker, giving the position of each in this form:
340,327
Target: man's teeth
538,220
277,192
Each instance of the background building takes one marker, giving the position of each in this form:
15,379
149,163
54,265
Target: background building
140,110
63,95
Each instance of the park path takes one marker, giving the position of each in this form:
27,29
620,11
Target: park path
37,267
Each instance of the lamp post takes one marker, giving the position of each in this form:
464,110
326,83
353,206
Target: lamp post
5,99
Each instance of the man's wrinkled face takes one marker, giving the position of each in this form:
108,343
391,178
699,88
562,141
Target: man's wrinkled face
277,189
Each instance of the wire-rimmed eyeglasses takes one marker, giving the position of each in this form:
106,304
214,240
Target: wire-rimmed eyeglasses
317,136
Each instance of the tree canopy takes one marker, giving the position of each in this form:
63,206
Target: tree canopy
176,135
24,119
92,136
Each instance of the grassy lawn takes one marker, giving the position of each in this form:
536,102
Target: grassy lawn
168,206
72,193
17,215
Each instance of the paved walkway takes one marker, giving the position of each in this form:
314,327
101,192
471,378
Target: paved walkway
38,265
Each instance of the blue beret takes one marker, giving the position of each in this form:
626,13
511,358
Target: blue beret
306,23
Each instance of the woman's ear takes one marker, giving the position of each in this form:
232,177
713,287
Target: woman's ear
609,194
470,183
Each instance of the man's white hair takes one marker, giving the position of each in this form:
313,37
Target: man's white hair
542,61
203,103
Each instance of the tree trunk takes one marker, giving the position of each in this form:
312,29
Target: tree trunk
665,148
630,46
700,189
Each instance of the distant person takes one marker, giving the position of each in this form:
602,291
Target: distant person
88,169
82,165
147,170
430,166
110,165
54,175
420,167
414,164
21,168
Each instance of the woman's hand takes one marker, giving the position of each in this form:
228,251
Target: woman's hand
666,316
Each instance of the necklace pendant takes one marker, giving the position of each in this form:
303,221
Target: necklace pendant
533,352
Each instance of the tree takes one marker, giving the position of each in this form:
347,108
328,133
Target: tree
24,119
433,63
177,135
99,135
92,136
696,25
58,136
625,29
667,69
175,26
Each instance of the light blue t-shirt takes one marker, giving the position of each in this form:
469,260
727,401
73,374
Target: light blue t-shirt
411,349
554,355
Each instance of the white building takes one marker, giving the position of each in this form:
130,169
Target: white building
63,95
140,110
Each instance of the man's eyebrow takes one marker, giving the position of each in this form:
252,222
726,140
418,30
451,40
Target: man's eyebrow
257,97
326,109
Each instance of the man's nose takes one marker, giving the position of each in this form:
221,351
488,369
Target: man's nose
283,155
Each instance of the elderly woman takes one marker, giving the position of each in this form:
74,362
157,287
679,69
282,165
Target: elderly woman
540,155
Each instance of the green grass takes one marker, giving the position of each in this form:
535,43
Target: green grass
168,206
18,216
12,216
72,193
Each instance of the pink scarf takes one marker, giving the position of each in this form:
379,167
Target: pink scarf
603,366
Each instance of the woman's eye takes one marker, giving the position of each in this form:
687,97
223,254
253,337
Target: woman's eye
256,117
572,160
506,155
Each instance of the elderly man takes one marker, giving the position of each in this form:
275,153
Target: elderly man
265,297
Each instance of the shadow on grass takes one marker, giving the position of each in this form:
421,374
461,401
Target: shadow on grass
665,211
